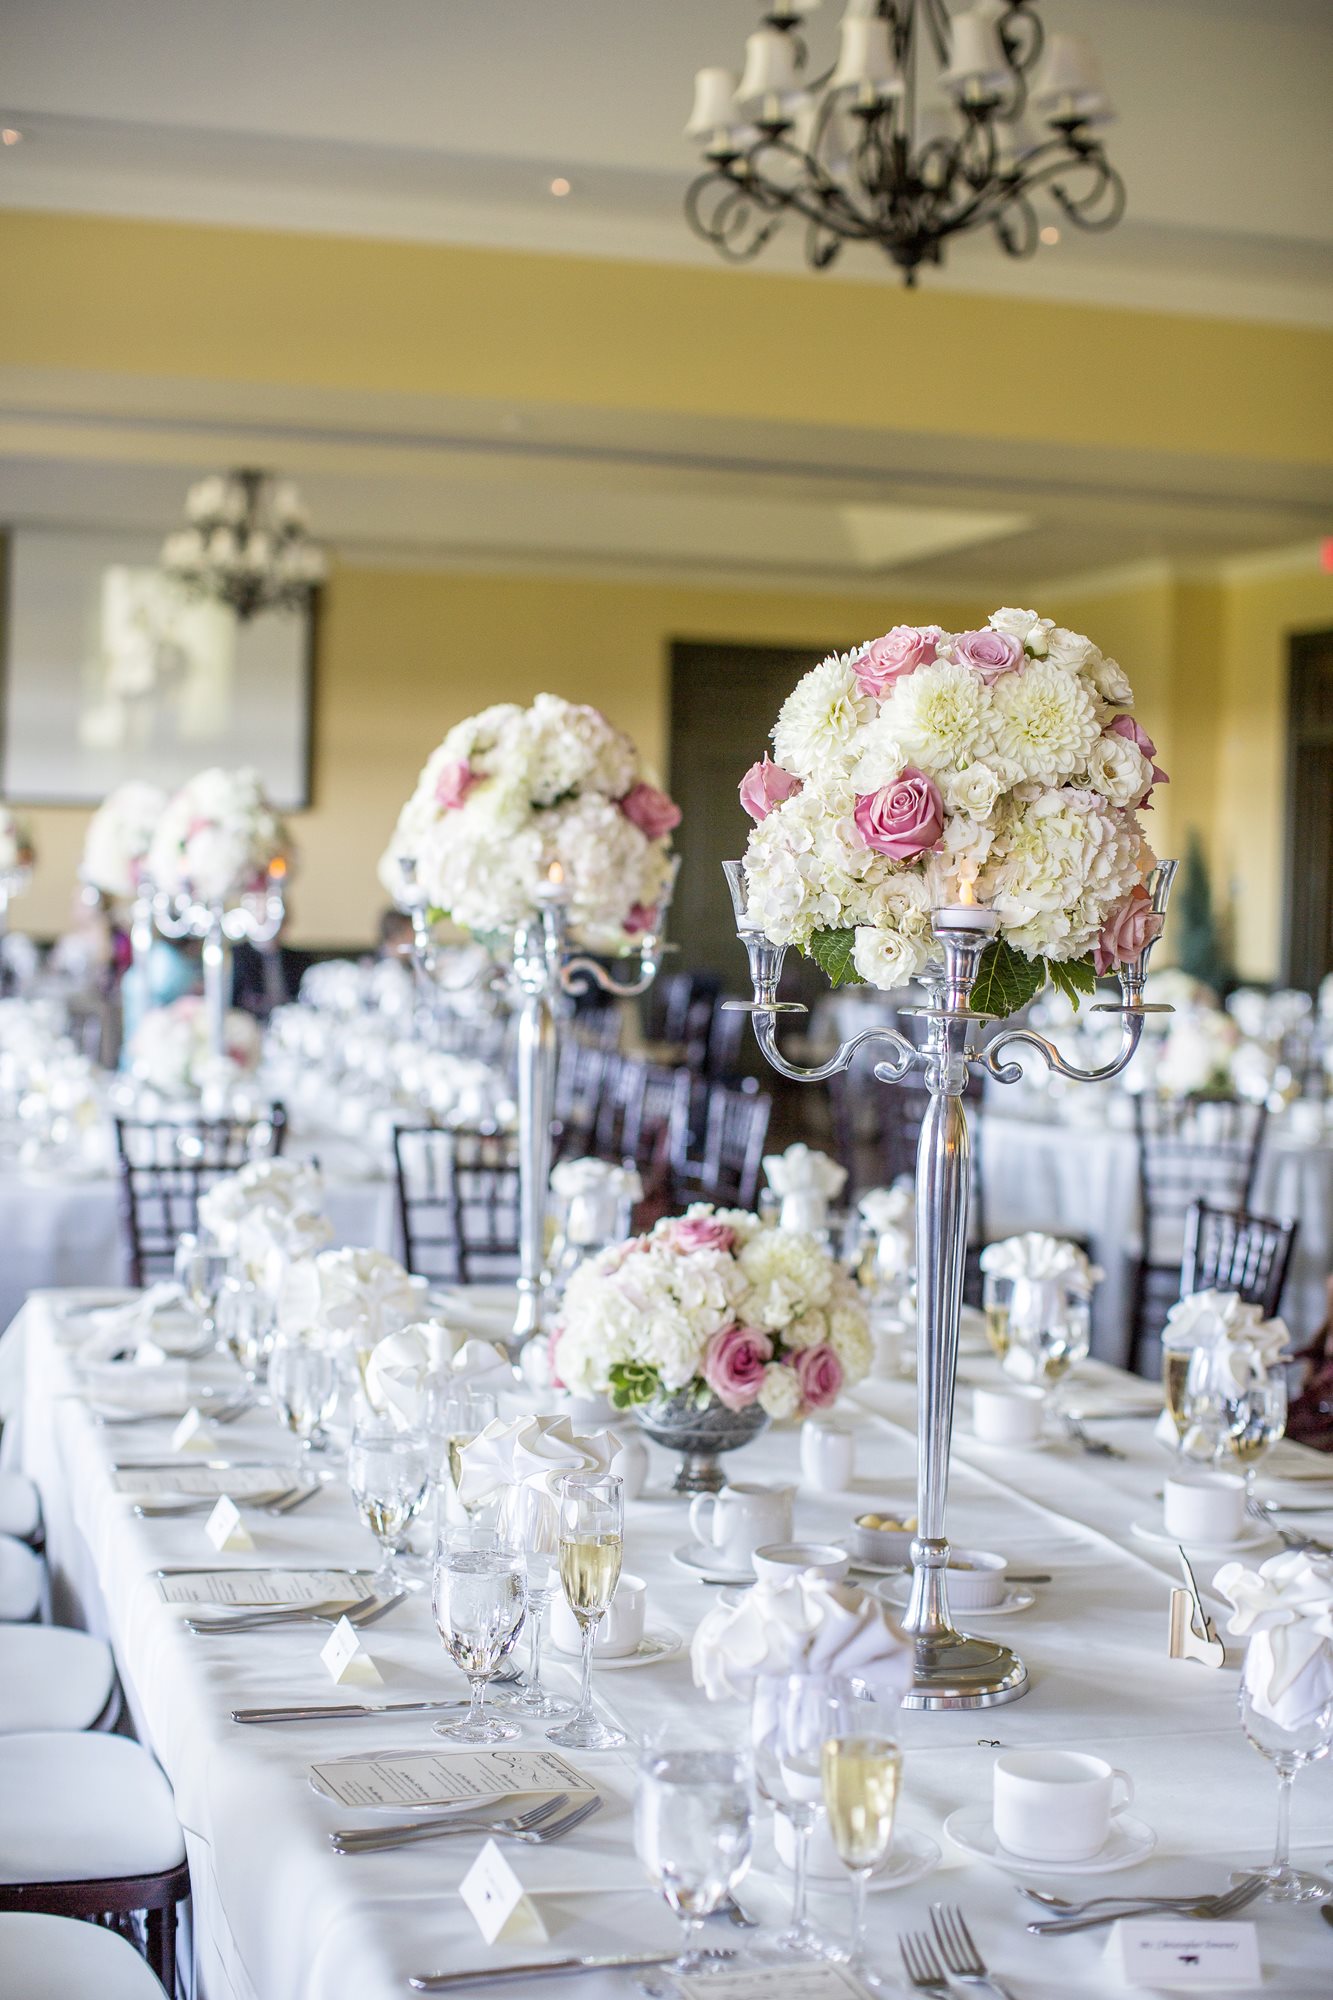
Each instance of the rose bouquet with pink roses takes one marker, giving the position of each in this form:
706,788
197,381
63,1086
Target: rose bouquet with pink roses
512,793
1003,759
714,1304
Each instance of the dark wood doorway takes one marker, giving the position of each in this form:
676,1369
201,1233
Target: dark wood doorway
1307,926
724,701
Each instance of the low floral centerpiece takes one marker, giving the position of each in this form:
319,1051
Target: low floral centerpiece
709,1327
515,798
999,766
218,840
120,833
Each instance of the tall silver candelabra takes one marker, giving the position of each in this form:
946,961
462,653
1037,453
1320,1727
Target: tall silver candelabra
952,1669
255,919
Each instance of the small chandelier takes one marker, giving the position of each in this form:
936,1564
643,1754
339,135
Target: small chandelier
246,544
926,125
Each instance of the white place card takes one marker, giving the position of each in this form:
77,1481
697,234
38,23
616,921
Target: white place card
774,1982
192,1433
1172,1952
202,1482
441,1777
346,1658
225,1529
258,1587
498,1901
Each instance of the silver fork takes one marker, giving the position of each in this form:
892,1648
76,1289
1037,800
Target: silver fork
922,1967
1060,1906
370,1839
1095,1447
966,1965
1290,1538
530,1835
328,1613
1206,1906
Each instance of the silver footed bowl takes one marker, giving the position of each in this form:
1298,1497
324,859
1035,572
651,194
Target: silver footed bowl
699,1433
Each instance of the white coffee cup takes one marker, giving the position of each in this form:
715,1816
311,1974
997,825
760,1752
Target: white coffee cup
828,1456
1008,1415
1056,1805
775,1562
739,1519
1207,1507
621,1629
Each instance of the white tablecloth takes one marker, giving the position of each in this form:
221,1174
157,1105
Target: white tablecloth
1082,1180
279,1917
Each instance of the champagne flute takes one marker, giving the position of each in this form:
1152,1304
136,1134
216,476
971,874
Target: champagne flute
466,1415
478,1598
529,1520
592,1519
388,1472
861,1768
693,1826
996,1294
1288,1751
788,1717
1256,1418
303,1381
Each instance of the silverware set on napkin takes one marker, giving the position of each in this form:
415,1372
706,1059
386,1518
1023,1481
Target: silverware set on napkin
225,1411
1098,1910
364,1611
283,1500
535,1827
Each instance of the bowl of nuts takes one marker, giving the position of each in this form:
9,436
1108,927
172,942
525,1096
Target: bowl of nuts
882,1540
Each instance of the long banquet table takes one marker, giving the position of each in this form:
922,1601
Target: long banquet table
278,1917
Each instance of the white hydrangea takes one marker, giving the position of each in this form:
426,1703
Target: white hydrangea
780,1393
817,724
942,717
849,1337
1058,867
119,836
216,838
879,756
1045,721
809,869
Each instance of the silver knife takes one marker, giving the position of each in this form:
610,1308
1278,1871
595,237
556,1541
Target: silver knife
337,1711
444,1982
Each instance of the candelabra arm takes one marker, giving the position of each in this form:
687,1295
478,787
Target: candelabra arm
905,1055
1131,1031
579,974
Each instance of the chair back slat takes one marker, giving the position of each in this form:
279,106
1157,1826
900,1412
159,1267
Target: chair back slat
166,1166
457,1203
1230,1250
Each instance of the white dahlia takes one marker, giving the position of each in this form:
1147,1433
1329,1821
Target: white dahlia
818,722
1119,770
942,715
1045,722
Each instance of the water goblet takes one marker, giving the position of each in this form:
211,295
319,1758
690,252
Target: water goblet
246,1321
1256,1417
1288,1751
693,1826
303,1382
478,1598
860,1768
529,1520
388,1472
592,1519
199,1268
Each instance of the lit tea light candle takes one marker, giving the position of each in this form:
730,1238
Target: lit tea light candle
553,889
967,913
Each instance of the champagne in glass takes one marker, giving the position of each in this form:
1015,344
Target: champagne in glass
997,1292
388,1472
478,1598
592,1516
1175,1375
861,1768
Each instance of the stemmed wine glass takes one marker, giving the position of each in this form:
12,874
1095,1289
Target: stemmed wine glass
788,1725
478,1599
1256,1417
1288,1751
592,1519
693,1826
464,1416
861,1767
199,1268
303,1382
529,1520
246,1321
388,1472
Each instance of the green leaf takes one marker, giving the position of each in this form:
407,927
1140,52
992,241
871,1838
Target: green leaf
832,953
1007,980
631,1382
1072,977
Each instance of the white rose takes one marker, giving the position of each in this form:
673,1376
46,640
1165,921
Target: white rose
1068,649
886,958
779,1392
1109,679
1119,770
973,790
1031,632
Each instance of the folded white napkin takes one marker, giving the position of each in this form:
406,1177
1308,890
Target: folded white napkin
287,1186
1247,1345
530,1451
1041,1258
407,1368
1285,1610
807,1182
269,1239
804,1625
115,1327
359,1292
891,1214
594,1194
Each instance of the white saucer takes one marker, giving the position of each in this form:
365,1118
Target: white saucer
652,1649
1250,1537
911,1856
897,1591
699,1561
966,1435
1129,1840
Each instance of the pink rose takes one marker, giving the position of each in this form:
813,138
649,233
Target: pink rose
819,1372
902,819
650,810
988,653
734,1364
899,652
1126,931
766,785
702,1232
641,918
1134,732
453,785
552,1346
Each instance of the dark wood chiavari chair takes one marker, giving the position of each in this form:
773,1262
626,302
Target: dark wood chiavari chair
580,1080
1230,1250
165,1167
457,1203
717,1150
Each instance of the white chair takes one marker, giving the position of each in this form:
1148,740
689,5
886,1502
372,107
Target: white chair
20,1508
59,1958
88,1827
21,1581
55,1678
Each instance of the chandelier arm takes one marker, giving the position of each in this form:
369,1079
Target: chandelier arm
740,205
1107,183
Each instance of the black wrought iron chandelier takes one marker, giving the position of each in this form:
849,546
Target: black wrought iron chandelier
246,544
927,125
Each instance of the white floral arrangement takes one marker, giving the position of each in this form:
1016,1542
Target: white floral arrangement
277,1187
714,1303
218,839
170,1052
515,797
999,766
16,849
353,1294
120,833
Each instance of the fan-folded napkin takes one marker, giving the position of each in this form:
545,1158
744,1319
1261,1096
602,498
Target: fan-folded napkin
594,1194
117,1327
529,1451
807,1182
805,1625
1285,1610
890,1213
1247,1344
407,1367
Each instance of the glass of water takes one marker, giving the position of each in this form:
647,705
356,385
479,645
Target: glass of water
303,1382
199,1268
478,1599
693,1825
388,1472
529,1521
246,1322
